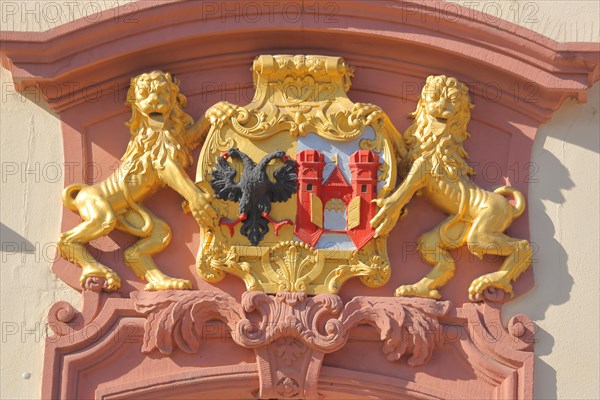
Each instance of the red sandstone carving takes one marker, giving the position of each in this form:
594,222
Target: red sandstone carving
406,327
290,332
175,319
292,336
63,319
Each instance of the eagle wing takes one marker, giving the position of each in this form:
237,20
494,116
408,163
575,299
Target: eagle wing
285,182
223,181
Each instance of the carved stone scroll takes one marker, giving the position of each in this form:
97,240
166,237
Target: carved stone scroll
290,332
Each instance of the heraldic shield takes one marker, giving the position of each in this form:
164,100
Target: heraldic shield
294,175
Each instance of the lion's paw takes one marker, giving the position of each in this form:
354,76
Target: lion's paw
169,284
418,291
385,220
110,281
493,280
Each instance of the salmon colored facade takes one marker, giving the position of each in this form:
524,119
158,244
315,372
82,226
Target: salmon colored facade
220,340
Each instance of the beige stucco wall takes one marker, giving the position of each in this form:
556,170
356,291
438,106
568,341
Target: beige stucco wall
561,20
563,210
563,207
31,151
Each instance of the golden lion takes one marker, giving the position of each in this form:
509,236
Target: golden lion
162,136
439,171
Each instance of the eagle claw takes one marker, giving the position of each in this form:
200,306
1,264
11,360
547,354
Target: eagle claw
231,224
277,224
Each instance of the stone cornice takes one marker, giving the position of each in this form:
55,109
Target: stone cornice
411,35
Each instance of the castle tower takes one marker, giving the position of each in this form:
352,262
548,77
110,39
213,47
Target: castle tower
309,217
364,165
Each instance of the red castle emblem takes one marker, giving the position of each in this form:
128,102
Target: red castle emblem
313,192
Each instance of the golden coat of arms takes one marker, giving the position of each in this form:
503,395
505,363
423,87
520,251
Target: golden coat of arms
295,175
296,191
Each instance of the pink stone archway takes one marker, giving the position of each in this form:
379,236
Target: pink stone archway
517,79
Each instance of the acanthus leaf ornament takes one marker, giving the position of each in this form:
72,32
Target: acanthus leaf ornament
408,327
291,333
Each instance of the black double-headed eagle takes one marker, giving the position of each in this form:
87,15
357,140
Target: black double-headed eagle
255,191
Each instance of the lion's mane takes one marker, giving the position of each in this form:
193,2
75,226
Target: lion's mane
149,148
440,138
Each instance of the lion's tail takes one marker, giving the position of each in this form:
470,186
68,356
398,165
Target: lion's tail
130,228
69,193
519,206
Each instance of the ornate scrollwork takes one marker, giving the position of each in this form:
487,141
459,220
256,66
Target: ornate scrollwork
218,260
293,320
330,119
177,319
366,263
296,98
293,266
290,315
